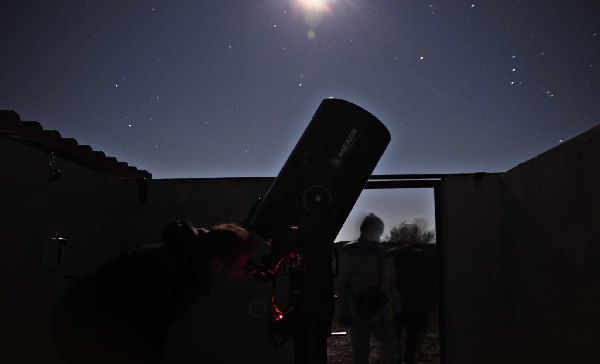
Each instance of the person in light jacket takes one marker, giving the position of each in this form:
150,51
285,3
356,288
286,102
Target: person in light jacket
367,298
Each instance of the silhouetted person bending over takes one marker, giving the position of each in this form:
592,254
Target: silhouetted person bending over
121,313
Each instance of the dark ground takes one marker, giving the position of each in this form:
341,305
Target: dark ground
339,349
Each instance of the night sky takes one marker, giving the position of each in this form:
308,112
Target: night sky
225,88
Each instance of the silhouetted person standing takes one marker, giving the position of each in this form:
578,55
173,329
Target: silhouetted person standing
367,295
417,286
121,313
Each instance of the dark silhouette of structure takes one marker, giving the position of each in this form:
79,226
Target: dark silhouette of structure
518,251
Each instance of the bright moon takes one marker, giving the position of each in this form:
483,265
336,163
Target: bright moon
314,5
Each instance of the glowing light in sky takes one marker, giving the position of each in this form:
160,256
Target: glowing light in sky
314,10
314,5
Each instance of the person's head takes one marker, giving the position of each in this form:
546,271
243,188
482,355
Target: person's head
371,228
227,248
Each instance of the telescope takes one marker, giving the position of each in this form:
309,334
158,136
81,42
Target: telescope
304,210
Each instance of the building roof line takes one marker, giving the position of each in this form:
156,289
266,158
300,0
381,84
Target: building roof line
32,133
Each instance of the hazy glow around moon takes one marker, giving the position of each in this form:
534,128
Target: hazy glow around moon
314,5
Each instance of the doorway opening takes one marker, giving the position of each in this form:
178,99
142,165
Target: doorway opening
408,207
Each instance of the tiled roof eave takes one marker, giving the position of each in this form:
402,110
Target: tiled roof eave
33,134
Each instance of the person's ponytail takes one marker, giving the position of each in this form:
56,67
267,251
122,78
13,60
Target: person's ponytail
179,234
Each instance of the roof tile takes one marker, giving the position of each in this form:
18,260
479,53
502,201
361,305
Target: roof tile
31,132
9,121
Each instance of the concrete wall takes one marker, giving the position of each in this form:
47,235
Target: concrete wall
521,253
78,206
554,263
204,202
101,218
473,247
